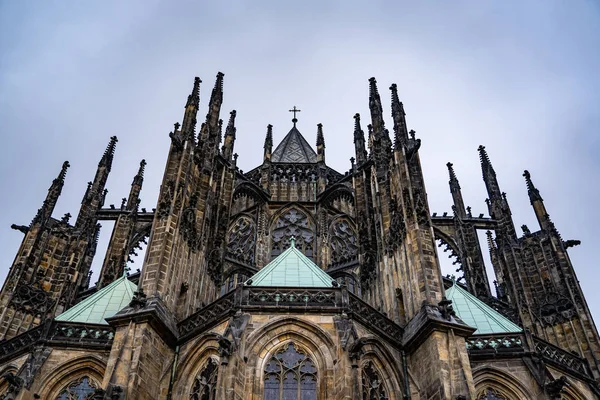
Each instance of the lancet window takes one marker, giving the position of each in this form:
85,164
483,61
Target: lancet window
290,375
80,389
205,384
293,223
372,384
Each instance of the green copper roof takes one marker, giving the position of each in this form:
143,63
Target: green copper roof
477,314
101,305
291,268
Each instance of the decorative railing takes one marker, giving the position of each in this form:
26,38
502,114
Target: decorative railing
20,343
286,297
556,355
57,332
373,319
481,345
207,316
71,333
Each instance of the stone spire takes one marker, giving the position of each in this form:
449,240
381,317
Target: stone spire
229,136
320,144
268,143
489,175
538,204
54,192
459,204
359,141
94,196
191,111
136,187
399,116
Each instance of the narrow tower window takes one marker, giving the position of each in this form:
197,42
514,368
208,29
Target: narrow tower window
372,385
290,375
205,384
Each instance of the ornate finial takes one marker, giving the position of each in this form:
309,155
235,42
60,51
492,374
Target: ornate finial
357,127
292,241
107,157
320,137
485,160
532,191
373,87
453,179
294,110
194,97
63,172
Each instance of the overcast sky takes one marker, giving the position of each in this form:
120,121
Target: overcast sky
520,77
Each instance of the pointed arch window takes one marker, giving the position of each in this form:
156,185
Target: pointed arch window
491,394
297,224
290,375
80,389
372,384
205,384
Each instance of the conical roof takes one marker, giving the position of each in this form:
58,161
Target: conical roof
477,314
294,149
291,268
103,304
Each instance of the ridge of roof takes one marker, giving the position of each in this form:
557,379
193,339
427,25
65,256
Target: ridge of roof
291,268
294,148
101,305
478,314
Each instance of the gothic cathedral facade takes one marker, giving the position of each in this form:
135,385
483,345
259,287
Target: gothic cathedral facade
293,281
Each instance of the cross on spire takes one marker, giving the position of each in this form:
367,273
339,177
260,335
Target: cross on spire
294,110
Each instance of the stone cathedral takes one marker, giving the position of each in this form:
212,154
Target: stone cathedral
293,281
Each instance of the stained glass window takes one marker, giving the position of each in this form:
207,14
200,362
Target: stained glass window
290,375
490,394
372,385
81,389
205,384
293,223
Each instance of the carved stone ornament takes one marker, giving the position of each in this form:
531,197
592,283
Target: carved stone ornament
31,300
556,309
33,364
242,240
293,223
397,230
165,200
187,225
346,331
343,242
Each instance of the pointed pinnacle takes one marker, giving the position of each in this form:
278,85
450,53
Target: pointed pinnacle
194,97
230,130
107,157
269,136
373,87
486,165
532,191
453,179
357,127
320,137
396,104
139,178
63,173
218,84
490,240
